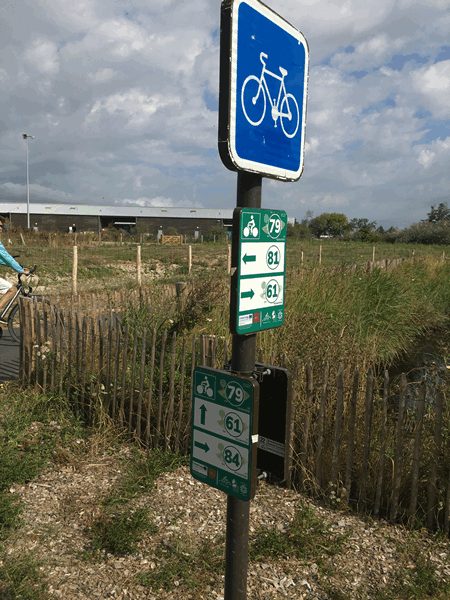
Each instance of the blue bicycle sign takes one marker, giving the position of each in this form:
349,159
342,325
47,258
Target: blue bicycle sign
255,93
263,87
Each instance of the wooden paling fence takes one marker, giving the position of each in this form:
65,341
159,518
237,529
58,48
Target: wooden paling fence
368,442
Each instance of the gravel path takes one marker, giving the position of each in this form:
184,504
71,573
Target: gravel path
62,502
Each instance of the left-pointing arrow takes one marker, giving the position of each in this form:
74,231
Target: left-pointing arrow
249,258
204,446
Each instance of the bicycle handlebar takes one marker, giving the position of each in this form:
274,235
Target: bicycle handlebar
30,272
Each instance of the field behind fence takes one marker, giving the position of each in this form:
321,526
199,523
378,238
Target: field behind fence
112,261
359,439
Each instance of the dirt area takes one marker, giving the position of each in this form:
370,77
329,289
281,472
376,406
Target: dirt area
62,502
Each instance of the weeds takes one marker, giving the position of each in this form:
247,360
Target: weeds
21,578
34,430
141,473
181,562
118,532
305,538
417,584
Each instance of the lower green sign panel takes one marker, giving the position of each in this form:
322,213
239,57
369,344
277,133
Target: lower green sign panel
224,431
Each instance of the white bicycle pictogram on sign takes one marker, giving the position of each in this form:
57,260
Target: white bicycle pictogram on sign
254,101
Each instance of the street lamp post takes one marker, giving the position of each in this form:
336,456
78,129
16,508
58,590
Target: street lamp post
25,137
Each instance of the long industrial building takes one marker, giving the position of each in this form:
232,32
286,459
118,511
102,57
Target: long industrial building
59,217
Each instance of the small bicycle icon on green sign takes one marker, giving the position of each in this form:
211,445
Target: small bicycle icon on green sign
204,388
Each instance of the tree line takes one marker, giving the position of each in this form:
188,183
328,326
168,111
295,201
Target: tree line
435,229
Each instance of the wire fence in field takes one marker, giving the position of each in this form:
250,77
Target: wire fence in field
360,440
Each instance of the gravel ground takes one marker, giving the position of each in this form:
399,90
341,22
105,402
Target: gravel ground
62,502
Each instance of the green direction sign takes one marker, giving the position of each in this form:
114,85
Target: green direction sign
258,282
225,431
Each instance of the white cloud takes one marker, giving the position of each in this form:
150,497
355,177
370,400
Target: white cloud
43,55
122,100
433,84
135,105
162,201
102,75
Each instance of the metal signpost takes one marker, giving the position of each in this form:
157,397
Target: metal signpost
258,283
262,110
224,431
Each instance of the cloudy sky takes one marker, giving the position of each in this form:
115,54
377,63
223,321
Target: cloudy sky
122,98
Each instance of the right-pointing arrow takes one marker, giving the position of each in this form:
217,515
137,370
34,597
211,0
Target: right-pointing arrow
204,446
249,294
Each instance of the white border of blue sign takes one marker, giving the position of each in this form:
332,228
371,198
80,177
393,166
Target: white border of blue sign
244,164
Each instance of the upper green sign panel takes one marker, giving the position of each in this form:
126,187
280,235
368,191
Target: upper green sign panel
258,284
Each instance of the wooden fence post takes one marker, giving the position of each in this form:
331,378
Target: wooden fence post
416,451
160,392
189,259
170,408
431,510
74,270
229,259
367,435
138,267
133,376
373,254
180,406
307,423
351,437
320,254
193,365
321,423
141,384
150,389
386,383
124,374
398,460
337,428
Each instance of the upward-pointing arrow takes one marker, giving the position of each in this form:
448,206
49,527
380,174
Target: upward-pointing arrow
203,410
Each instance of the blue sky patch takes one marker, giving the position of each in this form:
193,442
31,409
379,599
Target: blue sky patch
388,102
211,101
398,61
358,74
444,54
422,113
434,131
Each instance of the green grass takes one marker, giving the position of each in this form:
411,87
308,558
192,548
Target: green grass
119,531
339,252
419,583
21,578
35,429
306,538
142,470
182,562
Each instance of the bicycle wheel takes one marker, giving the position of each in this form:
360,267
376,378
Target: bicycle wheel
14,319
253,100
14,323
289,106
